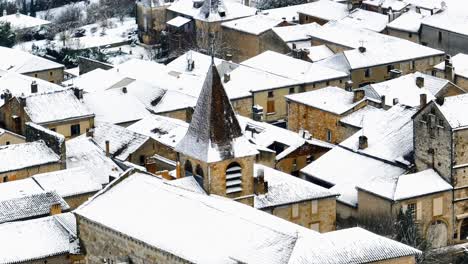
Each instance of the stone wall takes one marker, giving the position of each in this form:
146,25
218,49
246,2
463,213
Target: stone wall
451,42
10,138
86,65
401,260
28,172
50,75
414,37
53,140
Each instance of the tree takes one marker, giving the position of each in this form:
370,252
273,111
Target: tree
269,4
7,36
32,8
408,232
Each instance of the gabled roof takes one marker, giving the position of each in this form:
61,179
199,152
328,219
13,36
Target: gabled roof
453,110
361,18
325,9
454,19
55,107
362,115
212,10
459,62
409,21
26,155
395,5
214,133
23,62
38,239
295,32
255,25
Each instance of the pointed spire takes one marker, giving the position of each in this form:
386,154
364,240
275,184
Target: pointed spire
214,128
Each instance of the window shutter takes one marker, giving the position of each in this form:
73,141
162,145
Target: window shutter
295,211
419,210
271,106
314,207
437,206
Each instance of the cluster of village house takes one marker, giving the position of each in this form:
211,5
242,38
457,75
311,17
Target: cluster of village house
319,113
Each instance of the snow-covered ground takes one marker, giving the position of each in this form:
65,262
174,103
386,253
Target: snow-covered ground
55,12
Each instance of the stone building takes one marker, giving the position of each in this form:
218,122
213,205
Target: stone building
18,61
254,236
407,26
60,111
439,144
151,19
319,112
454,69
384,6
8,137
322,11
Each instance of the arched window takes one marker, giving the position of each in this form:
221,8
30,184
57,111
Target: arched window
188,168
233,178
199,175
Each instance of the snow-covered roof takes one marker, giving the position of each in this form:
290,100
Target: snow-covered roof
55,107
29,206
403,187
452,20
285,189
295,32
459,62
452,109
23,62
98,80
292,68
395,5
254,25
404,89
187,183
115,106
19,84
317,53
69,182
330,99
409,21
389,137
380,49
83,152
357,118
325,10
254,236
26,155
289,13
345,169
178,21
122,141
361,18
168,131
37,239
232,10
19,188
20,21
214,133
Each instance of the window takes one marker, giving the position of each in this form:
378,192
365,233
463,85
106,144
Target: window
7,143
233,178
188,168
292,90
412,65
367,73
315,226
5,178
437,206
314,207
270,94
53,129
441,122
142,159
75,129
51,73
412,209
390,68
199,175
440,36
410,35
295,211
328,83
270,106
35,75
329,135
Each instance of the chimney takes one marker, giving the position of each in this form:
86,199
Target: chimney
260,186
363,142
395,73
422,100
34,87
6,95
78,93
294,46
420,81
229,57
124,90
362,49
395,101
90,132
107,148
4,12
349,86
178,174
382,101
440,100
227,77
190,65
358,95
449,71
55,209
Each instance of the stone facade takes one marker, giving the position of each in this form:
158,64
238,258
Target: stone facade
458,80
411,36
151,20
8,138
77,200
442,39
50,75
54,141
306,19
402,260
30,171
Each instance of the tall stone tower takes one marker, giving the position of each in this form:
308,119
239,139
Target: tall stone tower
214,149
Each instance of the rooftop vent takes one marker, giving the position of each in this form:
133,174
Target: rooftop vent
362,49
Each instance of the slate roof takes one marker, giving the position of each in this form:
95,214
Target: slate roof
31,153
24,62
55,107
214,133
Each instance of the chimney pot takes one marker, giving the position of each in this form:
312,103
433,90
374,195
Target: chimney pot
107,148
362,49
440,100
395,101
382,101
349,86
90,132
420,81
363,142
227,77
124,89
358,95
422,100
34,87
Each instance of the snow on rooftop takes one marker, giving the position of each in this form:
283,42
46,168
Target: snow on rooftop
24,62
187,183
346,169
31,154
451,109
409,21
55,106
83,152
232,11
19,21
317,53
69,182
98,80
123,142
292,68
367,113
325,9
19,188
288,12
459,62
35,239
389,138
295,32
255,25
166,130
331,99
178,21
395,5
284,189
452,20
370,20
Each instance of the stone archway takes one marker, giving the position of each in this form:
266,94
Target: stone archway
437,234
464,229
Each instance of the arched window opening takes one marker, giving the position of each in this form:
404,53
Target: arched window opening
233,178
199,175
188,168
